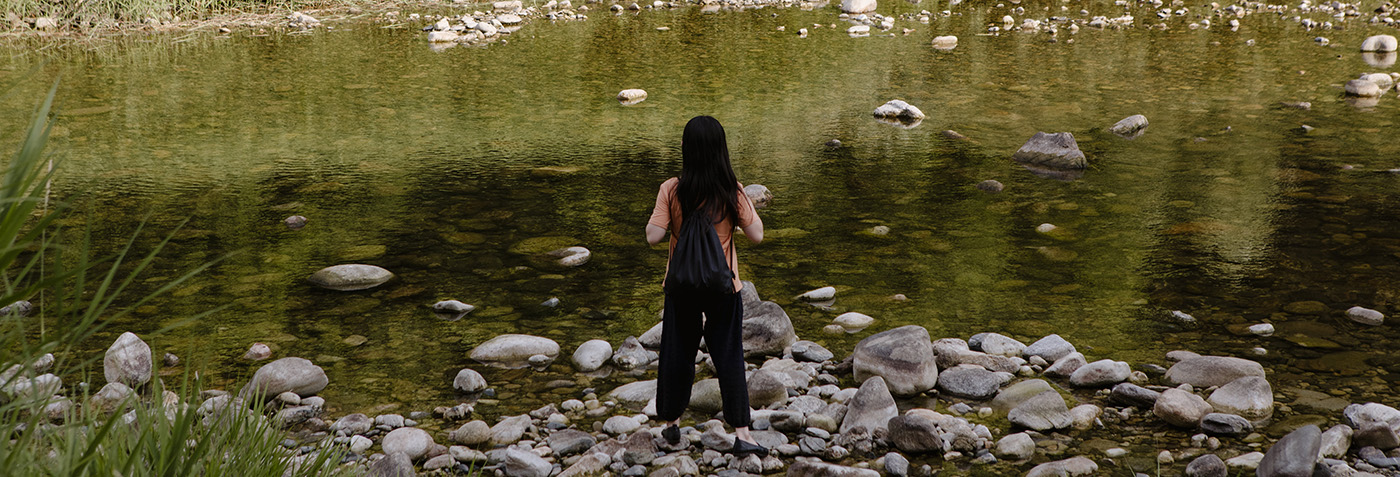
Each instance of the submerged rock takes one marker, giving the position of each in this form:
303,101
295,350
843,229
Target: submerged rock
631,96
945,43
572,256
1056,151
759,195
350,277
257,352
453,308
513,349
990,186
293,374
1130,127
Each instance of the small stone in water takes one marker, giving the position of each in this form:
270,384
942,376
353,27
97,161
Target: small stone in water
631,96
1045,228
295,222
1262,329
550,303
258,352
1365,316
880,230
990,186
1182,317
834,144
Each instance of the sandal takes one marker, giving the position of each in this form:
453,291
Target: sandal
743,448
672,434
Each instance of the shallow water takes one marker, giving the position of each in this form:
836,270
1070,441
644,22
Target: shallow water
428,163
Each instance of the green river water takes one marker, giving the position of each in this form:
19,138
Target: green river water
428,163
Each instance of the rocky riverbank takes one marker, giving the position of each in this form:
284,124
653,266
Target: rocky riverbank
901,403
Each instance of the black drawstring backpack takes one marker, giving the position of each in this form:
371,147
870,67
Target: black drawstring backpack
697,262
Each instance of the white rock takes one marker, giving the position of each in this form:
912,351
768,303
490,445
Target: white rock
859,6
360,444
620,425
859,30
486,28
257,352
572,256
1379,43
1384,81
631,96
1018,446
592,354
1248,461
469,381
442,24
946,42
411,441
514,349
898,109
820,294
287,374
1365,316
508,19
854,321
442,36
128,361
1261,329
1363,88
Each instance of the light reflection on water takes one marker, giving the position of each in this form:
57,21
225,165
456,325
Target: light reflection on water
430,164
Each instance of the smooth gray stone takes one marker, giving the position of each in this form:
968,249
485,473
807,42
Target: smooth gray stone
395,465
807,468
872,407
570,441
1225,424
902,356
1050,348
1133,395
350,277
1294,455
767,329
1057,150
970,382
913,433
1208,465
1207,371
896,465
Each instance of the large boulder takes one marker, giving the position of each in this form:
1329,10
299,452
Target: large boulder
1056,151
350,277
872,407
1207,371
767,329
1043,412
513,349
1294,455
128,361
902,356
861,6
766,387
1181,408
292,374
1250,397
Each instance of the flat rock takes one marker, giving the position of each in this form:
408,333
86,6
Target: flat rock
807,468
1017,446
509,430
902,356
570,441
350,277
1294,455
519,463
808,351
1208,371
1100,373
951,352
514,349
854,321
970,382
1015,394
1043,412
1129,127
1248,461
996,344
293,374
471,433
635,393
1072,467
1222,424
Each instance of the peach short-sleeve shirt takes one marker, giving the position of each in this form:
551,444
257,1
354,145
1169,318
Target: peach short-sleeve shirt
667,215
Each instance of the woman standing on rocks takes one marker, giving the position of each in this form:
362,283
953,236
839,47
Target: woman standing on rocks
706,188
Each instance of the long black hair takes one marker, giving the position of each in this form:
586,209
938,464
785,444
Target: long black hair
707,180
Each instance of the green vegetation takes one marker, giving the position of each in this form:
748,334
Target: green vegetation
93,13
50,430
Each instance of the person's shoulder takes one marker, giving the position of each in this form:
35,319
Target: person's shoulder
670,184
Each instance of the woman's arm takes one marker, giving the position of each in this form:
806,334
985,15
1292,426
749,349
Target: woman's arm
754,231
655,234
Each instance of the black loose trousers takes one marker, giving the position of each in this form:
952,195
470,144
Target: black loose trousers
681,329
